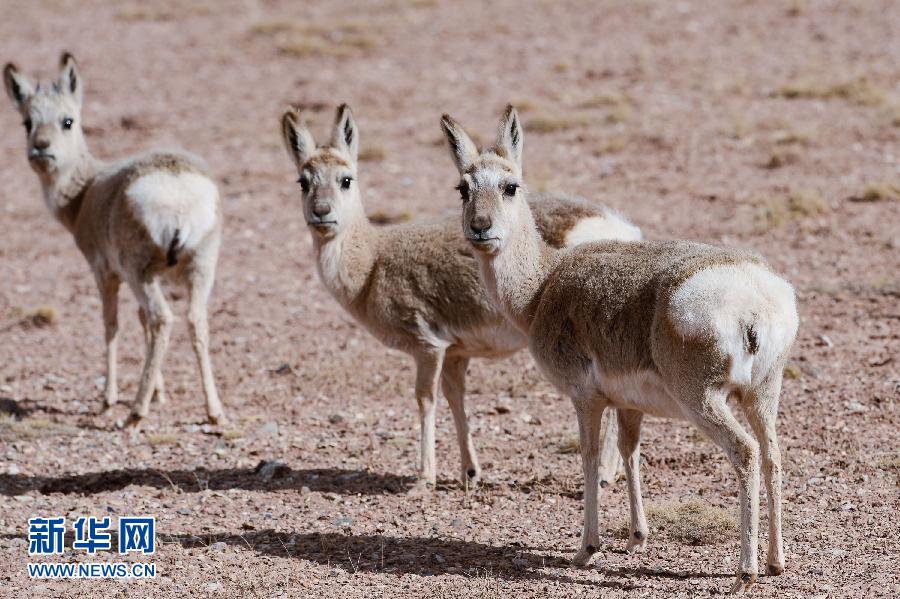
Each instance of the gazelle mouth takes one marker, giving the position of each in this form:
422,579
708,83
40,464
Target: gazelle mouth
34,157
484,243
321,223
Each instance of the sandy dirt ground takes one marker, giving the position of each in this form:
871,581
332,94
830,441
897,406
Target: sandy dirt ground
773,126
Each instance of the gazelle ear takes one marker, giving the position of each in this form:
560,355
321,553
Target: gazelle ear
297,138
17,85
345,135
462,149
69,79
510,135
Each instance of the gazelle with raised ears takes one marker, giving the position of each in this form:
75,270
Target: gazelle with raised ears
415,285
150,217
672,329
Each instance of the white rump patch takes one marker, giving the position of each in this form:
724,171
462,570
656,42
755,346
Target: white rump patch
166,202
719,303
598,228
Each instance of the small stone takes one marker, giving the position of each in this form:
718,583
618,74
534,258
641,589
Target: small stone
269,429
439,558
218,546
272,469
456,523
12,469
826,341
854,407
283,368
335,419
24,498
213,587
184,511
344,522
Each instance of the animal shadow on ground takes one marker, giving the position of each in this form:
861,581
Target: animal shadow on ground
396,555
280,477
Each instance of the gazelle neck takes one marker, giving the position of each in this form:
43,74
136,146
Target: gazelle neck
64,189
515,275
345,261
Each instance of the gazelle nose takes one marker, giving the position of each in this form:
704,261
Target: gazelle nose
41,144
321,209
480,224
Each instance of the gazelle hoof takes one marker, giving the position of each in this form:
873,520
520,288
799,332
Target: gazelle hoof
774,569
743,583
420,489
584,556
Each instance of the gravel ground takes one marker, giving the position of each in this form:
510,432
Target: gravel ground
756,125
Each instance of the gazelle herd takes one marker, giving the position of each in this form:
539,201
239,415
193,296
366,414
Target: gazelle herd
673,329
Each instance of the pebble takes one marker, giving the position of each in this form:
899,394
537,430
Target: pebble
269,429
213,587
218,546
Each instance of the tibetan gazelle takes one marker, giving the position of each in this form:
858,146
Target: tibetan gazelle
671,329
150,217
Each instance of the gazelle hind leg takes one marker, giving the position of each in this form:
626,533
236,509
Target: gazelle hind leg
590,413
159,319
159,386
453,381
762,413
200,287
630,448
715,419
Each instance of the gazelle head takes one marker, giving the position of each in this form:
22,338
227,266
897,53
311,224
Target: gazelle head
327,173
51,115
491,185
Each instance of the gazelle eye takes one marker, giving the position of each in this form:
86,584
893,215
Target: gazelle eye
510,189
463,189
304,184
345,182
67,123
27,124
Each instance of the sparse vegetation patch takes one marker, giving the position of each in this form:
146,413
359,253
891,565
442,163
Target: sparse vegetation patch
691,523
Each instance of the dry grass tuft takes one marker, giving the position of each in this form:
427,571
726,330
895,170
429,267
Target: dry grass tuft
40,317
379,217
13,429
157,439
553,123
797,205
860,90
568,445
691,523
792,371
372,153
164,11
604,100
780,158
879,192
339,39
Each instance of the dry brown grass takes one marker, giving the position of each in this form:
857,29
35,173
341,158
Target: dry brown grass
780,157
691,523
338,39
860,90
879,192
164,11
554,123
372,153
792,371
157,439
796,205
13,429
42,316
